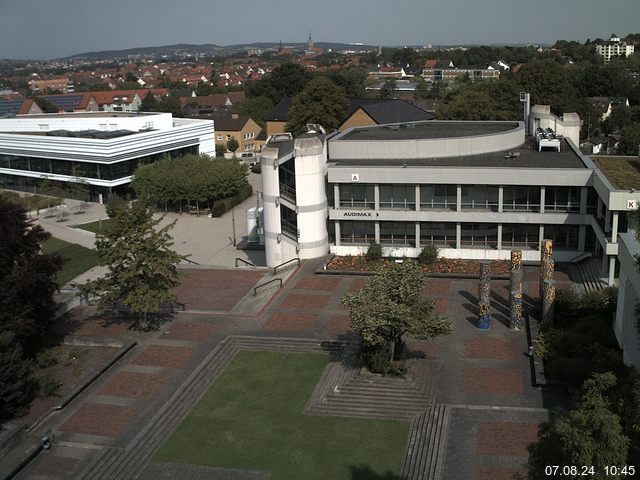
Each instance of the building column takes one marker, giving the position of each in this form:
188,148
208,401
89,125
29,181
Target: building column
584,191
337,229
417,234
376,197
543,191
417,197
458,235
540,237
500,199
459,198
614,227
582,236
336,196
377,231
499,236
612,270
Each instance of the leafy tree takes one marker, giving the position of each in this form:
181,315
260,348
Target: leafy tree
481,100
45,105
388,89
351,79
588,435
221,149
320,102
392,305
16,384
149,103
257,108
26,276
232,144
549,84
286,80
630,140
142,267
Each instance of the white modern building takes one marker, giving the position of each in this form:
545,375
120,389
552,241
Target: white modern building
626,323
476,190
614,47
102,149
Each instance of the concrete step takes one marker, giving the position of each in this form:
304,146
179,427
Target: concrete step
424,457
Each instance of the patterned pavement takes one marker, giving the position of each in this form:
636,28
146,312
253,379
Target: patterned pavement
485,377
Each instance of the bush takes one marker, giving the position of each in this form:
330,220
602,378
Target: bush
46,359
375,358
256,168
220,207
428,255
48,386
375,252
16,384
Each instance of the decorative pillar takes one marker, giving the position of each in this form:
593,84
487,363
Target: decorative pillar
548,301
484,296
515,291
546,264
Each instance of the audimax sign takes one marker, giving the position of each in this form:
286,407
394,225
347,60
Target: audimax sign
360,214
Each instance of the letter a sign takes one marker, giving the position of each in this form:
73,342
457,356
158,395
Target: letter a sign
355,177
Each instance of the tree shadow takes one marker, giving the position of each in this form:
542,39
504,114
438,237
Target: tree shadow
363,472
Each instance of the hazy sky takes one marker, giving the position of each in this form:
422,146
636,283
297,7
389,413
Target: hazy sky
55,28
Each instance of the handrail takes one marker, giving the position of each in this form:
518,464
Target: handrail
191,261
244,261
275,269
255,290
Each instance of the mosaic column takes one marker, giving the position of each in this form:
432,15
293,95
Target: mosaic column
548,301
484,317
516,271
546,264
515,310
484,296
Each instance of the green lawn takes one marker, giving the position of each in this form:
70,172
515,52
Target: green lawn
94,226
252,419
77,259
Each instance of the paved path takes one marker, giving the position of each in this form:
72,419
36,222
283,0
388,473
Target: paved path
485,410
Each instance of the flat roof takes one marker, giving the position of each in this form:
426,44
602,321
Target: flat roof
86,115
622,171
526,156
428,130
96,134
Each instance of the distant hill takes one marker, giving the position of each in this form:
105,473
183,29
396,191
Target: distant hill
207,49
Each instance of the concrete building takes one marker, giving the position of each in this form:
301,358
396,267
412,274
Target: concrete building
626,324
614,47
476,190
436,74
100,149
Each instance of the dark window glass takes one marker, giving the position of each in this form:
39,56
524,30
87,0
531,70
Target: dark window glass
398,196
479,235
398,234
357,233
439,234
356,195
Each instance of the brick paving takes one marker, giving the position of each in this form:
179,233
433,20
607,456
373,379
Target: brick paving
163,356
189,331
56,465
99,419
505,438
494,381
200,290
500,473
134,385
479,369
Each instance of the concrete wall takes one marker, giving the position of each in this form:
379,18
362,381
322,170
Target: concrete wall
568,126
83,121
625,325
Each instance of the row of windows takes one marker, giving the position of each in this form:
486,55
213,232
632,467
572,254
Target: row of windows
473,197
472,235
71,168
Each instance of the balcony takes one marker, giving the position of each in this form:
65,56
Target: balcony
288,192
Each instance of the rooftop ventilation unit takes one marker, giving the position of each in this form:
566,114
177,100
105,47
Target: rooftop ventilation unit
280,137
315,128
547,139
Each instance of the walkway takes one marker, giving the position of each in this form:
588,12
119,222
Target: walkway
481,409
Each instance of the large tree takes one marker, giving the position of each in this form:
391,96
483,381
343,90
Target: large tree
390,305
589,434
286,80
16,383
630,140
321,102
141,266
27,282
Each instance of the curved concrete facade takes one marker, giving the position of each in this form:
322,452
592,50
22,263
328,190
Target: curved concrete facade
271,201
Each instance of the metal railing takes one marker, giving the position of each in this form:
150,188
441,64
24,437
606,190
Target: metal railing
287,192
255,290
275,269
191,261
238,259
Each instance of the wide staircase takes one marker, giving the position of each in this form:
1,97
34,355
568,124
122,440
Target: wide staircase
586,274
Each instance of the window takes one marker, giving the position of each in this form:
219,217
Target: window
520,236
402,234
483,235
289,222
443,197
479,197
562,199
357,233
43,126
398,196
439,234
220,137
565,237
287,179
356,195
521,198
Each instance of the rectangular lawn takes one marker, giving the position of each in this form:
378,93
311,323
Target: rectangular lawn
94,227
77,259
252,419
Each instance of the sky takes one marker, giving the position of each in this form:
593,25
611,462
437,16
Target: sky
44,29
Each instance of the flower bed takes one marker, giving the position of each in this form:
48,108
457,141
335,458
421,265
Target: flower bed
444,266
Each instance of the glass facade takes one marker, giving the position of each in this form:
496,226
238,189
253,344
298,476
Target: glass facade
521,199
361,196
357,233
520,236
289,222
399,234
565,237
562,199
287,179
439,197
480,197
483,235
438,234
398,196
103,171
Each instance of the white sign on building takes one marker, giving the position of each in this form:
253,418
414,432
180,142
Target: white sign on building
632,204
355,177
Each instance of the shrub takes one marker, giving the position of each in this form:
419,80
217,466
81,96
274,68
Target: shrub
46,359
375,252
256,168
375,358
48,386
220,207
428,255
16,384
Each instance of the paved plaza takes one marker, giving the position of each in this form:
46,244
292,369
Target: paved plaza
483,378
